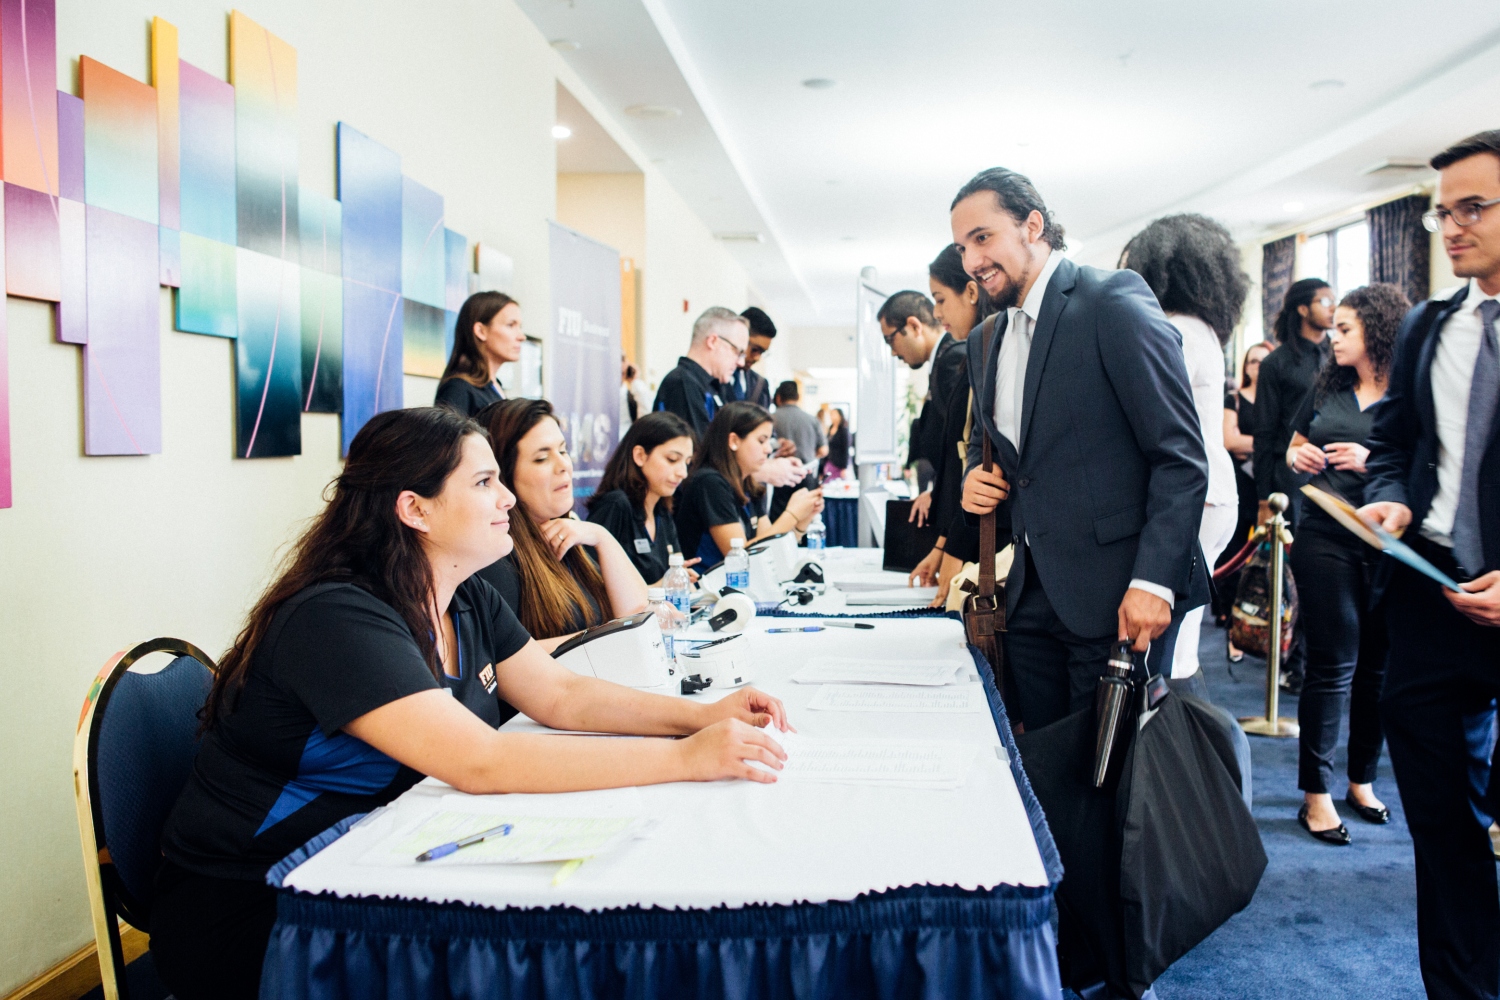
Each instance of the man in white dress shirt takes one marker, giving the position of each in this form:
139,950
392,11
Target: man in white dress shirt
1434,466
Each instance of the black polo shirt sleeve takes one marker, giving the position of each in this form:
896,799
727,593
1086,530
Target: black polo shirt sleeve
612,513
504,635
344,653
717,503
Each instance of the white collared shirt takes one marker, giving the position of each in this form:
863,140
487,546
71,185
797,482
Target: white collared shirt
1452,375
1015,354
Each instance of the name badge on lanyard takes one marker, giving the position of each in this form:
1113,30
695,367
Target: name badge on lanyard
643,546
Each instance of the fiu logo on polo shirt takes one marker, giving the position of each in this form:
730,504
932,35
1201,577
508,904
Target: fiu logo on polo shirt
487,678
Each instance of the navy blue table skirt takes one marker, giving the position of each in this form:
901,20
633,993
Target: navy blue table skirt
841,521
932,942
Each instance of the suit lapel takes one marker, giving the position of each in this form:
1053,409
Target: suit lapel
1426,412
1056,297
1005,451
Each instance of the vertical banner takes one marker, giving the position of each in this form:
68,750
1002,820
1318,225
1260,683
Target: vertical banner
583,377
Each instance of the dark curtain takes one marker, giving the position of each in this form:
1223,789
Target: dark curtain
1400,249
1278,261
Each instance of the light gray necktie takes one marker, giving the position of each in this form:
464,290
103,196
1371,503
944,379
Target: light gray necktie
1484,392
1023,355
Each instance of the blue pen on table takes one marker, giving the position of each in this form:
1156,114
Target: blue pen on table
804,628
443,850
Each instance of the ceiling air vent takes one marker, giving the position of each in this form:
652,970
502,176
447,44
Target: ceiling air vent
1395,165
740,237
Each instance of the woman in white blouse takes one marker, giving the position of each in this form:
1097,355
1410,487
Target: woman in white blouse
1193,267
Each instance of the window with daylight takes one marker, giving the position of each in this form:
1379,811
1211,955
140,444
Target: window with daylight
1341,256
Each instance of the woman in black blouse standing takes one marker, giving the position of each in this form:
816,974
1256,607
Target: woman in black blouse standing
487,335
1346,643
634,498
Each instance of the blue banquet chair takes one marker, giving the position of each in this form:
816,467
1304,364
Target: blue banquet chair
137,736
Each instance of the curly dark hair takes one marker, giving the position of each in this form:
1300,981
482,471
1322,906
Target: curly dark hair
1193,267
1380,308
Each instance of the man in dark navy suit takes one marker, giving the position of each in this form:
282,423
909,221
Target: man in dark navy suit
1085,398
1434,472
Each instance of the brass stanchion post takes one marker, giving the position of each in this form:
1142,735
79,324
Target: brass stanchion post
1271,724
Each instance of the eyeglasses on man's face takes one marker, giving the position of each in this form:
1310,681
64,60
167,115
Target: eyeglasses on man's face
1326,301
739,352
1463,214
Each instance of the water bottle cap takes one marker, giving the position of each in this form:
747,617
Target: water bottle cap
675,559
736,543
654,594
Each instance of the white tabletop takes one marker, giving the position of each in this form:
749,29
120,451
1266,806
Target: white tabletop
734,842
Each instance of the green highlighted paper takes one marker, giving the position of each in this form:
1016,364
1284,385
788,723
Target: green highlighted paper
532,839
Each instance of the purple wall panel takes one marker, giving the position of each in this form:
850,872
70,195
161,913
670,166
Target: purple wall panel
122,360
5,487
170,257
33,268
70,146
72,307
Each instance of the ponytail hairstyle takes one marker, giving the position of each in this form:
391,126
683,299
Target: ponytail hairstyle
1288,324
947,269
553,592
621,473
1381,307
739,418
467,361
358,539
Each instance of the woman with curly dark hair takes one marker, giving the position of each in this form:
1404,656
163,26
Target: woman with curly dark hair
1193,267
1346,642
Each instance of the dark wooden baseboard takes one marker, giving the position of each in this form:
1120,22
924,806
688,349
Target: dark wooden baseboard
79,972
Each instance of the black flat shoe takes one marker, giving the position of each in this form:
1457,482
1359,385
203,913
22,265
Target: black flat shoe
1338,836
1379,815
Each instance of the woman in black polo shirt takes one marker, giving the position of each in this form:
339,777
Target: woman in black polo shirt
718,503
634,499
487,335
376,658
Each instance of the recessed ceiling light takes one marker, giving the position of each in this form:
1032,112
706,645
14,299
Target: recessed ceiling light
819,83
1023,143
566,45
1395,164
846,239
1293,206
561,131
1328,84
653,111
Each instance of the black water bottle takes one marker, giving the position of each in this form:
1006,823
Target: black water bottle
1111,702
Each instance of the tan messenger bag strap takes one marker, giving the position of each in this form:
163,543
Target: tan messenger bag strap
984,610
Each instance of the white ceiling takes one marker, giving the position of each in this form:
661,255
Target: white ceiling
1118,112
589,150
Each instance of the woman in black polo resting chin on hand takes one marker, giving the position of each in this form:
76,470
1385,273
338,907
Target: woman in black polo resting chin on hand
376,658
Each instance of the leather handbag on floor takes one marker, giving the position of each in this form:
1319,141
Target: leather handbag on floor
984,610
1250,615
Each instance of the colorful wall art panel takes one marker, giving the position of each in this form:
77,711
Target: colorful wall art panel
207,183
370,192
119,143
72,305
165,80
320,220
122,359
456,283
207,300
263,70
28,79
6,492
33,267
423,249
422,339
69,146
268,357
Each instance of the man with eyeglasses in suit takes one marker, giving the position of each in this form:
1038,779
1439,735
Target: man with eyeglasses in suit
1434,473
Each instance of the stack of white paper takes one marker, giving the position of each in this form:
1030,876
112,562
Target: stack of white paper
836,670
532,838
951,698
904,763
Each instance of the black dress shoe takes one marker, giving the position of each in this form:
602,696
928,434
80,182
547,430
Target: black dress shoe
1379,815
1338,836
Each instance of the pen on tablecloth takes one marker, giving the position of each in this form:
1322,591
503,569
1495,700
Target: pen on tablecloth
443,850
804,628
847,625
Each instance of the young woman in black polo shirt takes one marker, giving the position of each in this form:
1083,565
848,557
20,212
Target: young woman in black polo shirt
376,658
487,335
718,503
634,499
565,574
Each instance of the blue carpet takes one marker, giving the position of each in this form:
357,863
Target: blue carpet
1327,922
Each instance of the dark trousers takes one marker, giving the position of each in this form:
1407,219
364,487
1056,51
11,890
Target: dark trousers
1442,679
209,935
1346,650
1051,672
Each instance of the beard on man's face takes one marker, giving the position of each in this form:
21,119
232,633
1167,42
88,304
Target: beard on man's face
1009,295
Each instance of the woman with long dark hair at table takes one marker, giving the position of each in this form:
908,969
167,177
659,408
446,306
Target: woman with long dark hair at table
486,335
565,574
1346,640
375,658
718,503
634,499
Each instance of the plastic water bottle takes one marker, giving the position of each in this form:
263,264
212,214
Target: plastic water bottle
678,585
737,566
815,539
669,619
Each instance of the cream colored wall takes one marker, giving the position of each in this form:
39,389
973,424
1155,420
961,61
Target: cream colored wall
99,553
611,208
684,261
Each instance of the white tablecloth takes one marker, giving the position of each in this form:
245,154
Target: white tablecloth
733,842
